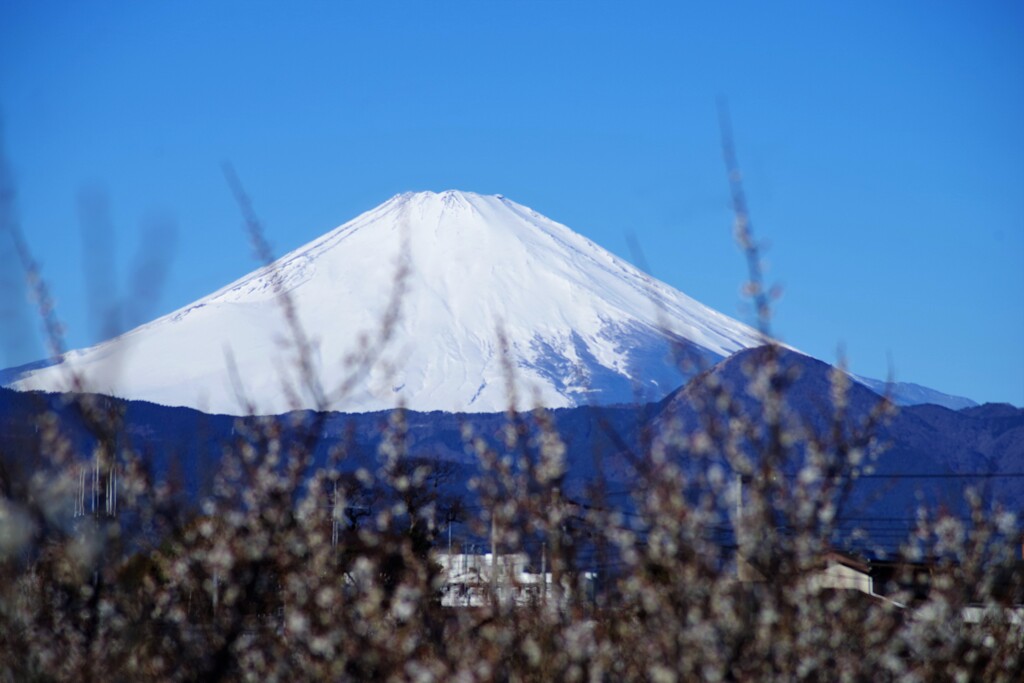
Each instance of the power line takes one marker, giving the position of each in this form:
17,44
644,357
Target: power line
945,475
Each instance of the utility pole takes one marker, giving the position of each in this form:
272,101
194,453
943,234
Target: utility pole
544,571
744,570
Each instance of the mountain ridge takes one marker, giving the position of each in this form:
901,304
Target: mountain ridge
932,453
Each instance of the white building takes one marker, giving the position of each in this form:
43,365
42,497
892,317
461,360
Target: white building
475,580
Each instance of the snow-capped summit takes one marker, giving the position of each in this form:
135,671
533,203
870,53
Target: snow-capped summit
581,325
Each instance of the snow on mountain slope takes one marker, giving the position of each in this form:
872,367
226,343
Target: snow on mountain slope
582,325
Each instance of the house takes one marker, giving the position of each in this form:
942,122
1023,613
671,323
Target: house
843,572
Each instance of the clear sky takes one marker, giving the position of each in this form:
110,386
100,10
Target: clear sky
882,145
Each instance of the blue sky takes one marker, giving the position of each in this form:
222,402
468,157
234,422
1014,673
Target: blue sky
882,147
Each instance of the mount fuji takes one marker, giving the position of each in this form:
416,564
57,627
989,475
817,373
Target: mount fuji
475,285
